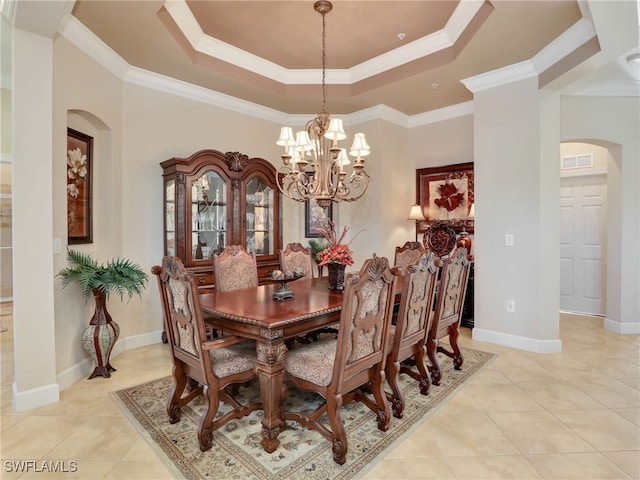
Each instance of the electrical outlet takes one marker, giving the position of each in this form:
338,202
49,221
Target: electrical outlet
508,239
511,306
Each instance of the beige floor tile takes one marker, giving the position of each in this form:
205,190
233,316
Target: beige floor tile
614,367
633,382
631,414
558,395
612,394
402,469
629,462
579,466
469,434
502,398
503,467
420,443
539,432
7,421
604,429
140,451
101,438
80,401
34,437
149,470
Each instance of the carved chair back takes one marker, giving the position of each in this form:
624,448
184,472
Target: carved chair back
235,268
335,368
296,256
448,310
408,254
413,322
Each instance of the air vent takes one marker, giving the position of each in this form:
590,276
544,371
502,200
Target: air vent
577,161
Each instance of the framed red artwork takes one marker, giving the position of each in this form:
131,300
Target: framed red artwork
79,191
445,195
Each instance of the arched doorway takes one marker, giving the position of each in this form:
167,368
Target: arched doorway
583,238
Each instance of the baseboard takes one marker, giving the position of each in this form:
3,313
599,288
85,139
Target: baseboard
623,328
36,397
520,343
83,368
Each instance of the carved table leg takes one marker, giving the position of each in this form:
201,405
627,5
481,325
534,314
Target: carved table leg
271,372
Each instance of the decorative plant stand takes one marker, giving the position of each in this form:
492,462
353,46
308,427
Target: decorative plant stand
100,336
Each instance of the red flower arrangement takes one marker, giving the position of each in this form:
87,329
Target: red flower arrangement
337,251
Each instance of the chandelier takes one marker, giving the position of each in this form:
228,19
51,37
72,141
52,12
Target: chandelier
314,164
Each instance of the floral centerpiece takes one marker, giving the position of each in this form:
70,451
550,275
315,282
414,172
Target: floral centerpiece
336,256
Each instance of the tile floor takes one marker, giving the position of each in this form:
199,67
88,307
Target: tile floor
572,415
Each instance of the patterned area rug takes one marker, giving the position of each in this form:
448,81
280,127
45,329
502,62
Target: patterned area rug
302,454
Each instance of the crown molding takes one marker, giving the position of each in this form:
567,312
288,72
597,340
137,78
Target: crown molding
462,16
501,76
441,114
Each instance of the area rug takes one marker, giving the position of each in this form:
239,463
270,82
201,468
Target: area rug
302,454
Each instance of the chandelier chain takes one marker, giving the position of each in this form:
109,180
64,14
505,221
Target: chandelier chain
324,64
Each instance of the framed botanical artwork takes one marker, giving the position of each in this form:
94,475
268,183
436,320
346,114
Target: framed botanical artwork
79,187
315,216
446,195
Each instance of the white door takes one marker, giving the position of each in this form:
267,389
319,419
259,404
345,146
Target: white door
583,204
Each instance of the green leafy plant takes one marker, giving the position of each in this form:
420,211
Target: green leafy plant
317,246
119,276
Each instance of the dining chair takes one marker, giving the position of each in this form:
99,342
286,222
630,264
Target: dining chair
408,254
408,336
294,256
448,311
235,268
336,368
201,367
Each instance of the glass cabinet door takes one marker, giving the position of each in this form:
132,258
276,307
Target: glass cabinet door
170,217
259,217
208,215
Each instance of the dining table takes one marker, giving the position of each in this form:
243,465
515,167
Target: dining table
253,313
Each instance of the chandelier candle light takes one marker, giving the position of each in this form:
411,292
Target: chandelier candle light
314,164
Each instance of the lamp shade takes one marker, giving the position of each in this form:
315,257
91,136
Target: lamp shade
472,211
335,131
416,213
360,147
342,158
286,137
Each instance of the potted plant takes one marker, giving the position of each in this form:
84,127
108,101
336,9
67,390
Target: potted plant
119,276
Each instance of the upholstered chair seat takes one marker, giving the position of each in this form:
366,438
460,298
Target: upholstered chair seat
314,362
234,359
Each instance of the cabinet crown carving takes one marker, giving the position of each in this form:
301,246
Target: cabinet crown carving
236,161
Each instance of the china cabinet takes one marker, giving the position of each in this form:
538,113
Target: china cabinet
213,199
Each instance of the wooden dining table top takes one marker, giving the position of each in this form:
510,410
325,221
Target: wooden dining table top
256,306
